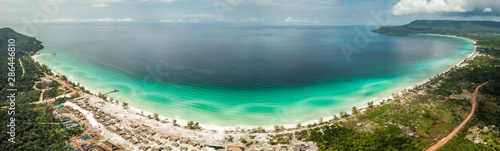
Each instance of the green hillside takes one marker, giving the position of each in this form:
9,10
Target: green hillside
446,27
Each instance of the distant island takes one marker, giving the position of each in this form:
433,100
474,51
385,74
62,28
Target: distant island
444,27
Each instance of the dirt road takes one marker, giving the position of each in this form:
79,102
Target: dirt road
67,86
459,127
21,63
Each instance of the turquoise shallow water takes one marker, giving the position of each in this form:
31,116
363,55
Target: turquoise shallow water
244,75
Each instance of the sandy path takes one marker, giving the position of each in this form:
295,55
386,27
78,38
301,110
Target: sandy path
41,97
21,63
88,114
67,86
459,127
34,86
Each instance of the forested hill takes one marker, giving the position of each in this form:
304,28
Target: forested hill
446,27
25,44
33,127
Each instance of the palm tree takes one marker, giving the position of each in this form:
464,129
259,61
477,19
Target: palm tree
190,124
197,125
156,116
370,104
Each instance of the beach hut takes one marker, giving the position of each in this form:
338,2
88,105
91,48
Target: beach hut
184,148
109,145
184,141
151,139
256,149
174,139
111,128
269,149
143,148
99,148
135,137
158,142
117,128
133,141
151,133
126,137
156,149
283,148
144,141
175,144
235,148
164,137
193,143
168,148
120,133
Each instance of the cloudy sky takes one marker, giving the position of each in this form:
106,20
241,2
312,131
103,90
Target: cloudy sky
320,12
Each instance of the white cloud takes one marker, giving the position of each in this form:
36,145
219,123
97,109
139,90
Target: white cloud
298,20
192,20
103,20
169,21
168,1
92,20
406,7
252,20
64,20
101,4
197,15
125,19
296,4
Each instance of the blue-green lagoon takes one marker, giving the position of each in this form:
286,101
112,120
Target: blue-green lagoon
244,75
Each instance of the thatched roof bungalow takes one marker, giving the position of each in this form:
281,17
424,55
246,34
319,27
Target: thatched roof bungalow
174,139
109,145
184,148
175,144
184,141
144,148
235,148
